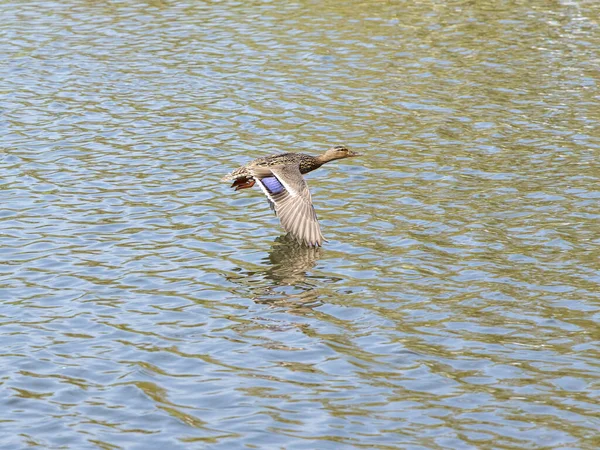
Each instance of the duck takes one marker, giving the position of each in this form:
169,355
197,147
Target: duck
280,177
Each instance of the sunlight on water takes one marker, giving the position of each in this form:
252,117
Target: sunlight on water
146,304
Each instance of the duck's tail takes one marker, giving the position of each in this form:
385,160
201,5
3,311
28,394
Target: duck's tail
241,172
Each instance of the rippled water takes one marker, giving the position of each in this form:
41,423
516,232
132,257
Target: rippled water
144,304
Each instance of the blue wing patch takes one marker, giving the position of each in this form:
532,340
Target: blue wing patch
273,185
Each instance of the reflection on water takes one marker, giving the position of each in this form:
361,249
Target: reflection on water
290,261
281,277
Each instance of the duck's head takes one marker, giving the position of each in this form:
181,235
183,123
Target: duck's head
338,152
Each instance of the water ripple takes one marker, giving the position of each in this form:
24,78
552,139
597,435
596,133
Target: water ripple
144,304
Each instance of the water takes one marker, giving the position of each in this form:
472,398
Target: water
146,305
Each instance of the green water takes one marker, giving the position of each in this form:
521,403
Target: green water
144,304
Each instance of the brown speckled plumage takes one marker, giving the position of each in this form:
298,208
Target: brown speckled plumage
280,178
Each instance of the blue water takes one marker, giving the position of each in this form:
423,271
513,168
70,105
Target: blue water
144,304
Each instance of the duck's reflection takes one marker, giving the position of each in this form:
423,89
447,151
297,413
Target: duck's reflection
290,261
283,278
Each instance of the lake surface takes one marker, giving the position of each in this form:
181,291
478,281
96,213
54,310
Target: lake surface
144,304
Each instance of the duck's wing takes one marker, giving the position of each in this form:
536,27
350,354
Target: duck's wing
290,198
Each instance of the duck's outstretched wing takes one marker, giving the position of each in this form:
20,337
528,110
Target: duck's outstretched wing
290,198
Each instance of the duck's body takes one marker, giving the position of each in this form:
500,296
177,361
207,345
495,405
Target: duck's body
305,162
280,178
